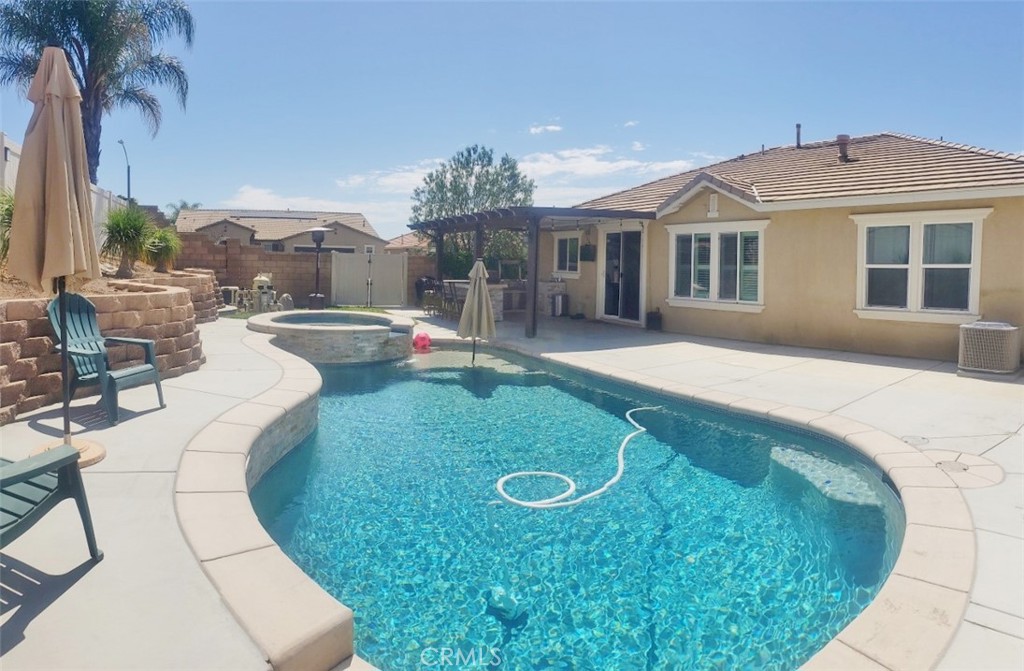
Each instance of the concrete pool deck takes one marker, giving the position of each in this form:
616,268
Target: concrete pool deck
149,604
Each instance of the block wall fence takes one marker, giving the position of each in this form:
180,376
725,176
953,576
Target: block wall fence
235,264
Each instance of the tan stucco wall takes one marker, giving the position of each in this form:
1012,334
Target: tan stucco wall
582,291
342,236
810,276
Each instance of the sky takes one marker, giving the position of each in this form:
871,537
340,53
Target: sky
346,106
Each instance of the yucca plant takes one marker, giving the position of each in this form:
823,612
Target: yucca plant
128,231
6,214
162,247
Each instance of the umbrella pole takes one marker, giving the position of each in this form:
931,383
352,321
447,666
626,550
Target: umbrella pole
62,299
473,360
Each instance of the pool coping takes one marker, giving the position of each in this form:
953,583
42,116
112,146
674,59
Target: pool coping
297,625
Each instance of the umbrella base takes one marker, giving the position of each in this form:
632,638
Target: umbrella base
89,452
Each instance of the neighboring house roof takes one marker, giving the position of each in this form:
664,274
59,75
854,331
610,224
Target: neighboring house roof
880,165
406,241
273,225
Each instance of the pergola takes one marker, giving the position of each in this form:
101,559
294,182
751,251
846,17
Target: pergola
529,219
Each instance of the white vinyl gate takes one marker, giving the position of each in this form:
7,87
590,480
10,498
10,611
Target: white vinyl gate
368,279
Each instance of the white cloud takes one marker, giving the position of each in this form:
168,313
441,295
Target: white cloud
638,146
591,162
402,179
630,124
537,130
708,157
567,196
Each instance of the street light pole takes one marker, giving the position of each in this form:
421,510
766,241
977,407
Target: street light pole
129,166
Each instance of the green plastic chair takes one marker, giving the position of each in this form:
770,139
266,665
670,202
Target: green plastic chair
30,488
87,349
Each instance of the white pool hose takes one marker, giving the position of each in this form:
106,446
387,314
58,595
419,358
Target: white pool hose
560,501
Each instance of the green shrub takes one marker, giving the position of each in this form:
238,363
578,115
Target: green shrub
162,248
128,231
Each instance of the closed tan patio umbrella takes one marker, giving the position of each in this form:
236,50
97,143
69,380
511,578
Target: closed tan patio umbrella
477,319
51,229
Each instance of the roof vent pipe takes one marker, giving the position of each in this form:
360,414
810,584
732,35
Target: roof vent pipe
798,136
844,148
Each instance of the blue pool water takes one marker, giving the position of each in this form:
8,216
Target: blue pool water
727,544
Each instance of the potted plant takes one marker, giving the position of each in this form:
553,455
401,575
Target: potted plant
162,248
128,230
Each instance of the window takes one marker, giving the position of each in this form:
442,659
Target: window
717,265
567,254
368,249
919,266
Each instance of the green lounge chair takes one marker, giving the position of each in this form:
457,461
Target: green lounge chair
30,488
87,349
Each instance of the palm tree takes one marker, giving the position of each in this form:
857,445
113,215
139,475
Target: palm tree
109,45
176,208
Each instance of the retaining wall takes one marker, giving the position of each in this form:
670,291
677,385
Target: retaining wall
203,287
30,369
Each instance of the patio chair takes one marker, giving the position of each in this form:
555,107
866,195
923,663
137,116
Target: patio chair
87,349
30,488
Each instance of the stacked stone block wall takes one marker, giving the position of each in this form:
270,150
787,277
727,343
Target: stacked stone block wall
30,369
235,264
203,287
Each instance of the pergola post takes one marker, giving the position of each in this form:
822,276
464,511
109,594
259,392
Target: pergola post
439,253
478,241
532,270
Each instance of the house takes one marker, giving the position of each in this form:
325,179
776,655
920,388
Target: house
409,243
883,243
285,230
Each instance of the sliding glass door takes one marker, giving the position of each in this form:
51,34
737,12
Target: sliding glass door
622,276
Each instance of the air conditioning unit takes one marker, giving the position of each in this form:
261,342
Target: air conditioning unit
989,347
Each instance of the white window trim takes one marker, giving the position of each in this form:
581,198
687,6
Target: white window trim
714,229
566,274
914,312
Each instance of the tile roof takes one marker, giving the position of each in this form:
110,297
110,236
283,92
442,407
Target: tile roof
407,241
883,164
273,224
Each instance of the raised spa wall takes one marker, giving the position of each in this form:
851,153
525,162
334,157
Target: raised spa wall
325,342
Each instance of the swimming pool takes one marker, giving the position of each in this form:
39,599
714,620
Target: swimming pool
728,543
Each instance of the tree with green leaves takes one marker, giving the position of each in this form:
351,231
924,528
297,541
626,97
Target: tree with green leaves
470,182
109,45
174,209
